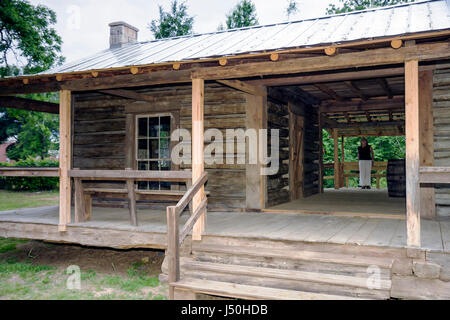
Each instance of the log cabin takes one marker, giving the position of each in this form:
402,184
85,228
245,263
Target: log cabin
228,230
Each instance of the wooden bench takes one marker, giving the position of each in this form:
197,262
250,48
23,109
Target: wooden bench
83,196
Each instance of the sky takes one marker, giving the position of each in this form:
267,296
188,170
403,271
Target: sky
83,24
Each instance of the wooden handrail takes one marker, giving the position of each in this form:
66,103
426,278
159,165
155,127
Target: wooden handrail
29,172
138,175
174,239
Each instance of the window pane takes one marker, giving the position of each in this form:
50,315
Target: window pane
165,148
142,127
153,148
142,149
154,165
142,165
164,165
142,185
165,127
153,126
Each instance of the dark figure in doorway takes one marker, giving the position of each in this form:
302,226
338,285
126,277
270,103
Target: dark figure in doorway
365,157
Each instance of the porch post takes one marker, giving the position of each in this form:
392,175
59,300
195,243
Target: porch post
337,172
64,158
426,154
412,152
198,90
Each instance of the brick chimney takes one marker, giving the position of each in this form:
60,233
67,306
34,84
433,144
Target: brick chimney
121,33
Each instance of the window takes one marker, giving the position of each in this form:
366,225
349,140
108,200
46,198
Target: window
153,148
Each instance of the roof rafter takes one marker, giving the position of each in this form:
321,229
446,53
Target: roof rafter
353,87
384,84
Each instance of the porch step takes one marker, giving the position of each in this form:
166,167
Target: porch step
242,291
304,255
301,281
359,282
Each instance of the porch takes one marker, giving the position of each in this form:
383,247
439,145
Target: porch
111,227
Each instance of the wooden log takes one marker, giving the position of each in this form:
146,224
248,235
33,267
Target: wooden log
64,158
29,104
198,100
336,160
173,248
296,169
132,202
80,201
412,152
426,152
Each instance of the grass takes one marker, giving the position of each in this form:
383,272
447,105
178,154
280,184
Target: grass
25,280
10,200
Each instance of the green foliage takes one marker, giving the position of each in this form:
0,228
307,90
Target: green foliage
9,244
24,268
175,23
30,183
35,133
243,15
355,5
26,33
384,148
292,8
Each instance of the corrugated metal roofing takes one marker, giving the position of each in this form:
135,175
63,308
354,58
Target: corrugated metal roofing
424,16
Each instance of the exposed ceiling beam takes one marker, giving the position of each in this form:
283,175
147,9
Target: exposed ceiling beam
29,104
296,105
328,91
128,94
384,84
356,90
252,89
366,124
327,122
303,95
379,104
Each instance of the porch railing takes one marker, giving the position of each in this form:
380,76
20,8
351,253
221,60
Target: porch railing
346,172
29,172
175,237
83,204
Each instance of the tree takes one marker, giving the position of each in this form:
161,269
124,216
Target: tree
292,8
355,5
243,15
28,42
175,23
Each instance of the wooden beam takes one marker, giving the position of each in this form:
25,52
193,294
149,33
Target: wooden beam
373,124
412,152
244,87
28,172
29,104
65,111
198,105
132,202
385,86
296,149
353,87
80,202
374,57
329,77
128,94
369,105
435,175
280,94
426,153
328,91
337,166
255,186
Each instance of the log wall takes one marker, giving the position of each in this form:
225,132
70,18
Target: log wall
100,133
441,112
278,184
311,152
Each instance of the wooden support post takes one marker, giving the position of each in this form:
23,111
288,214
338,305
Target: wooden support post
426,154
296,125
412,152
342,178
132,202
255,186
198,100
80,202
336,159
65,157
173,248
320,152
378,179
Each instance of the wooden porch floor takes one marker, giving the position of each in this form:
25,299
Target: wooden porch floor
348,202
110,227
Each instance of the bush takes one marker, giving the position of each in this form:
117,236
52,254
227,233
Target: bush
30,183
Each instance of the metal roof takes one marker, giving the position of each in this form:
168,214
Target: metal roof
404,19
